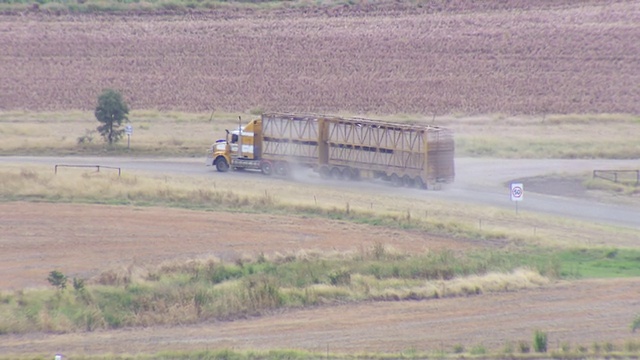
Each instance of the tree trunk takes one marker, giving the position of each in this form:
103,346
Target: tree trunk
111,131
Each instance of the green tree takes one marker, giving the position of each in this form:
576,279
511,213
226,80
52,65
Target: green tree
111,111
57,279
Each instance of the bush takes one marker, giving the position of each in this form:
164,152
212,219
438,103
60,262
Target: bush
57,279
540,341
609,347
262,292
631,346
478,350
340,277
78,285
87,138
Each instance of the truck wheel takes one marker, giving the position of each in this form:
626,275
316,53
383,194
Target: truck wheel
396,180
324,171
408,181
347,174
419,183
266,168
336,173
222,165
355,174
282,168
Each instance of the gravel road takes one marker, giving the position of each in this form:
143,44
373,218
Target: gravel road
478,181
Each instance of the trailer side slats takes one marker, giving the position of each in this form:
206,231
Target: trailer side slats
402,149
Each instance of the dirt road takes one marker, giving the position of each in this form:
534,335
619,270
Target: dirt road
479,181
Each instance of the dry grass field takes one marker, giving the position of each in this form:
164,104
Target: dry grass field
156,133
497,57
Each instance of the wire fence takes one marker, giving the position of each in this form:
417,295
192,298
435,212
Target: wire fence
619,176
97,167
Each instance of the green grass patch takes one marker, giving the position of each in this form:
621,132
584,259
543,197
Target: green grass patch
600,263
197,290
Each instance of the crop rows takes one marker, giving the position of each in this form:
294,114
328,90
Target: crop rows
580,57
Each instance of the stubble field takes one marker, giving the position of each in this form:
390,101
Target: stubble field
495,57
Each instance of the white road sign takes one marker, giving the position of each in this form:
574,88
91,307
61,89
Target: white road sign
128,129
517,191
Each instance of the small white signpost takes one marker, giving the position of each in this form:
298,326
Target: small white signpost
128,130
517,193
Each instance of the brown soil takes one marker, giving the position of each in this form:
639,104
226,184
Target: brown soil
578,314
444,57
84,240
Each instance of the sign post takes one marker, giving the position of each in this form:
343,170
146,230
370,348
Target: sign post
128,130
517,193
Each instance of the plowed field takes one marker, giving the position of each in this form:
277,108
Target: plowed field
87,240
448,57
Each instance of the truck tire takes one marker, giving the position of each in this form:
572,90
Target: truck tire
408,181
336,173
282,168
324,171
221,164
396,180
266,168
347,174
419,183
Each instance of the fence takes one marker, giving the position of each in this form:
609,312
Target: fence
89,166
622,176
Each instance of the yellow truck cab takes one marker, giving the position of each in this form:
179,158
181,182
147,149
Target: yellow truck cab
239,150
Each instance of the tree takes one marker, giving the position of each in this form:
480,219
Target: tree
111,111
57,279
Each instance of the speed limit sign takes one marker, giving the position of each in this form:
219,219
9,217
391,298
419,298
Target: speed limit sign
517,192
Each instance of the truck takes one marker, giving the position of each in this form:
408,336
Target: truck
340,148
